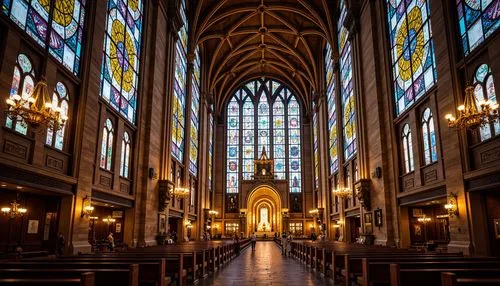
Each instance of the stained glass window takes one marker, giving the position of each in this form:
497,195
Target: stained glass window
23,83
248,138
346,88
407,149
210,149
66,32
179,99
263,125
60,99
294,154
412,50
252,102
429,137
332,112
195,113
484,89
122,47
279,136
107,145
315,147
233,143
125,156
477,20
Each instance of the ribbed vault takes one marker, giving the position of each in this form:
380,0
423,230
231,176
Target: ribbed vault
246,39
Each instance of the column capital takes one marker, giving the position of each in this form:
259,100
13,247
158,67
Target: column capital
174,18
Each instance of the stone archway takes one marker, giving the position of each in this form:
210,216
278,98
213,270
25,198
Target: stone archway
264,211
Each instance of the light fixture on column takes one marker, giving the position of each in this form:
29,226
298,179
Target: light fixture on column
314,212
87,207
181,193
109,220
451,206
36,108
213,213
424,219
188,224
342,193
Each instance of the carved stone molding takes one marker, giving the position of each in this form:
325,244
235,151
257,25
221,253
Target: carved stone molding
164,189
363,193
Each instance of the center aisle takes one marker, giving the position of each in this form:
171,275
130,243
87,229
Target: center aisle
264,266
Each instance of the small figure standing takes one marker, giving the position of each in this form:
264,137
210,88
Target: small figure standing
283,243
254,241
289,244
111,242
60,244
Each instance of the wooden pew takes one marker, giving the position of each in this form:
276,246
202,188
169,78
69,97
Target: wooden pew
85,279
414,273
452,279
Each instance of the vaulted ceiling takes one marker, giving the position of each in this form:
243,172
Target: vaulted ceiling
246,39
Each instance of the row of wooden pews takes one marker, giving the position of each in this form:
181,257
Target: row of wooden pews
355,264
179,264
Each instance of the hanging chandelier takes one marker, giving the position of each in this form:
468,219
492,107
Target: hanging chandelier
342,193
36,108
15,210
469,117
181,193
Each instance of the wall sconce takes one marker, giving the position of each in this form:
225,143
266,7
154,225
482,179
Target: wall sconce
377,173
424,219
109,220
314,212
452,206
87,208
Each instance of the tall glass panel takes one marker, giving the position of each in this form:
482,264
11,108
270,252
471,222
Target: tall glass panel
195,113
263,125
294,152
248,138
279,135
332,112
233,145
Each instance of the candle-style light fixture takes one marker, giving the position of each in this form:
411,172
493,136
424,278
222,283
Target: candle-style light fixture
424,219
314,212
36,108
181,192
87,207
342,193
14,210
451,206
213,213
108,220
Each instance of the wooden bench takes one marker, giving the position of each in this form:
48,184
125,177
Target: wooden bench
452,279
85,279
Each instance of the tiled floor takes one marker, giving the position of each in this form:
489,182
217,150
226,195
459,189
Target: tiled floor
264,266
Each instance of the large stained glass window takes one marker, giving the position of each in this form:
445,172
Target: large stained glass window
294,154
332,112
347,88
60,99
248,137
210,149
64,37
250,106
477,20
107,145
179,99
23,83
412,50
122,47
279,136
315,147
429,137
195,113
484,89
409,165
233,144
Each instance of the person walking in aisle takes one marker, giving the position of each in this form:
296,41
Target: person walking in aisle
253,237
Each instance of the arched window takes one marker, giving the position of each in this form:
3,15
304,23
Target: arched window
107,145
179,99
195,113
66,31
121,56
429,137
60,98
477,20
484,89
233,143
332,111
407,149
347,87
248,117
125,156
412,50
23,83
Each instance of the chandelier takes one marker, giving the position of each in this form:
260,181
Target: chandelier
424,219
36,108
109,220
213,213
15,210
181,193
469,117
342,193
314,212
